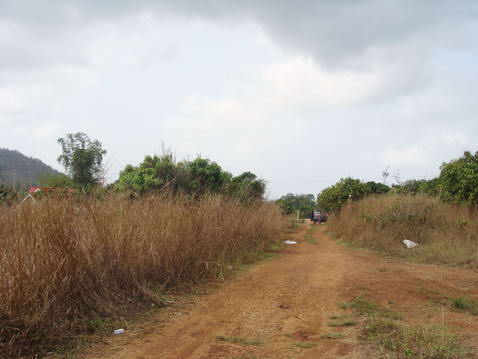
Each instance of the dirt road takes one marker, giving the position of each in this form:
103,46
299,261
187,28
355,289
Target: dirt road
281,308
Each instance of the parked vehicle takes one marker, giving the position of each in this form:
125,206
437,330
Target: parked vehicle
319,217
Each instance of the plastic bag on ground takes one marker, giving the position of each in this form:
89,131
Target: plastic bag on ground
409,244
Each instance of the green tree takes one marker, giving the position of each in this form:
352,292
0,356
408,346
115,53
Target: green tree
412,187
459,180
193,177
431,187
7,194
55,180
290,203
206,176
247,187
334,197
154,173
82,158
376,188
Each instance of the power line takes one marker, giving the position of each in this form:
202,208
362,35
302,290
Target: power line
335,180
293,181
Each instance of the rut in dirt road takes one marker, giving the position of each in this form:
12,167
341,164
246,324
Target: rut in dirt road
282,308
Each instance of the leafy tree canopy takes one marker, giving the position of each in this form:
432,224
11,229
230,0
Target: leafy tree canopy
154,173
376,187
459,180
206,175
333,198
7,194
290,203
431,187
412,186
417,186
55,180
194,177
82,158
247,187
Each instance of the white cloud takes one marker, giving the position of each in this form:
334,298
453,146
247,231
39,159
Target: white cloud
408,156
455,139
133,41
301,82
8,101
49,130
230,128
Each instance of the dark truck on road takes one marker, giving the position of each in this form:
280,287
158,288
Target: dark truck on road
319,217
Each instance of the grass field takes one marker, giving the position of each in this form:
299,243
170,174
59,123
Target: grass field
68,264
445,234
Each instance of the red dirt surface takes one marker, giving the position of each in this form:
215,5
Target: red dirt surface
280,308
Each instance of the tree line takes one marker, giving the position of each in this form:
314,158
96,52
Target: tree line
456,184
83,160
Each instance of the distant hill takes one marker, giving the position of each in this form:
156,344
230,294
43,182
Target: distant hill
16,168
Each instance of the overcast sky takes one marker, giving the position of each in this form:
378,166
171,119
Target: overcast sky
300,92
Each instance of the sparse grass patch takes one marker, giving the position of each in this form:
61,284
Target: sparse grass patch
422,342
293,226
313,228
96,324
464,304
238,340
365,306
333,336
390,338
342,323
306,345
310,239
308,236
460,304
344,305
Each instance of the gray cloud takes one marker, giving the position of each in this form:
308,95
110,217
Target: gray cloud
365,35
369,83
336,33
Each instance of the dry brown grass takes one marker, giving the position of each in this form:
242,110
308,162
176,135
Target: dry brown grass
64,263
446,234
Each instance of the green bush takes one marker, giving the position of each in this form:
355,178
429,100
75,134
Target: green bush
459,180
163,172
304,203
7,194
334,197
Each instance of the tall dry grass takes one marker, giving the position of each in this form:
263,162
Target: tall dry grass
64,262
445,234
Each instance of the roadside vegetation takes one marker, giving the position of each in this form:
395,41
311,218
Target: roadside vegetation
439,214
291,203
457,184
67,263
446,234
389,337
81,253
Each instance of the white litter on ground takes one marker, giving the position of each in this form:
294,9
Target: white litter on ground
118,331
409,244
290,242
